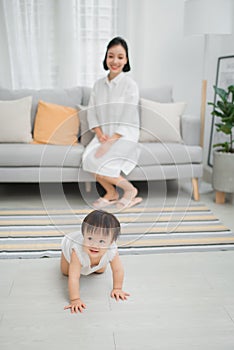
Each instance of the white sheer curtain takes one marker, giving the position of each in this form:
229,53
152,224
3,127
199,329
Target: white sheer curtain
54,43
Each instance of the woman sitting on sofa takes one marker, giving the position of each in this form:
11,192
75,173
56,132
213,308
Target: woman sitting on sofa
113,116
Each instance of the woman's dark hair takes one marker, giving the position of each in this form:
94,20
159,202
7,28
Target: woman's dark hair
99,221
118,41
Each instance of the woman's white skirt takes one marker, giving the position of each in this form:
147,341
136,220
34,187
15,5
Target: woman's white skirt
121,157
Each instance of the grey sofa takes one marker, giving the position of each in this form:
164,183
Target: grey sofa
25,162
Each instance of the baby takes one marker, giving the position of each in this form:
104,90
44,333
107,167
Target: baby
90,251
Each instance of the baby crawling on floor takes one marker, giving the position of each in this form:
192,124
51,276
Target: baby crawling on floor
90,251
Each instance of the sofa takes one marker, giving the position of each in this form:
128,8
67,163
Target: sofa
175,154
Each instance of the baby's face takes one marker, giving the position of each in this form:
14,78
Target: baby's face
95,245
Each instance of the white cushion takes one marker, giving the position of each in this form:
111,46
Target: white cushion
160,122
15,120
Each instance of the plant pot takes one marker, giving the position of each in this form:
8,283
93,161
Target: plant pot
223,171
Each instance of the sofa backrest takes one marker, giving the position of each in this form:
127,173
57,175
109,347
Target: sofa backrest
71,97
161,94
75,96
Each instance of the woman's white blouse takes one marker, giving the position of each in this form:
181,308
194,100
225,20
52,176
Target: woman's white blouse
74,241
114,107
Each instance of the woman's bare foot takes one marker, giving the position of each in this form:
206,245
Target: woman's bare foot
111,196
129,199
129,195
106,201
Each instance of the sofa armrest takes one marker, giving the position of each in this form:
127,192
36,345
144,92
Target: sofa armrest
190,129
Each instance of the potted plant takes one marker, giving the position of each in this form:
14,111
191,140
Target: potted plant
223,156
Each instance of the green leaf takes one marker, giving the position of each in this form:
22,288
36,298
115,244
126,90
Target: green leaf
231,88
226,129
225,119
224,145
221,93
211,104
216,113
222,106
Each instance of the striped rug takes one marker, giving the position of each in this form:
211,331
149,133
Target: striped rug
36,233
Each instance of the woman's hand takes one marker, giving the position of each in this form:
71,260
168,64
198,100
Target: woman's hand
100,135
103,138
119,294
76,306
106,145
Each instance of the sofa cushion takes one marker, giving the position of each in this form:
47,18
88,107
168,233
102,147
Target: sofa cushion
86,92
168,153
161,94
15,121
160,122
191,129
86,135
70,97
30,155
55,124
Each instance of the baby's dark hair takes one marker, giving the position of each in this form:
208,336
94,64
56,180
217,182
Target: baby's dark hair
118,41
99,221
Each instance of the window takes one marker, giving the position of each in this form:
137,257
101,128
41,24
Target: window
55,43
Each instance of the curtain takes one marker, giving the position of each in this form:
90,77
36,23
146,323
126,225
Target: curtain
54,43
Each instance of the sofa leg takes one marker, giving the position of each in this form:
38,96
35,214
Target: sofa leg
219,197
88,186
196,195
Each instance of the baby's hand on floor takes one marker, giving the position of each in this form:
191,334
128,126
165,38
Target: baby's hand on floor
119,294
76,306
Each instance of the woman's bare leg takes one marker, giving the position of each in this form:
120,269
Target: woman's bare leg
129,190
64,265
111,193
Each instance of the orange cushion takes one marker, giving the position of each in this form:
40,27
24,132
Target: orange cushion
55,124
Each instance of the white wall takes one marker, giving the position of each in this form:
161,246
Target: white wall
161,54
4,56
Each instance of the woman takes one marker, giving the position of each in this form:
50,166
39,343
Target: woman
113,117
